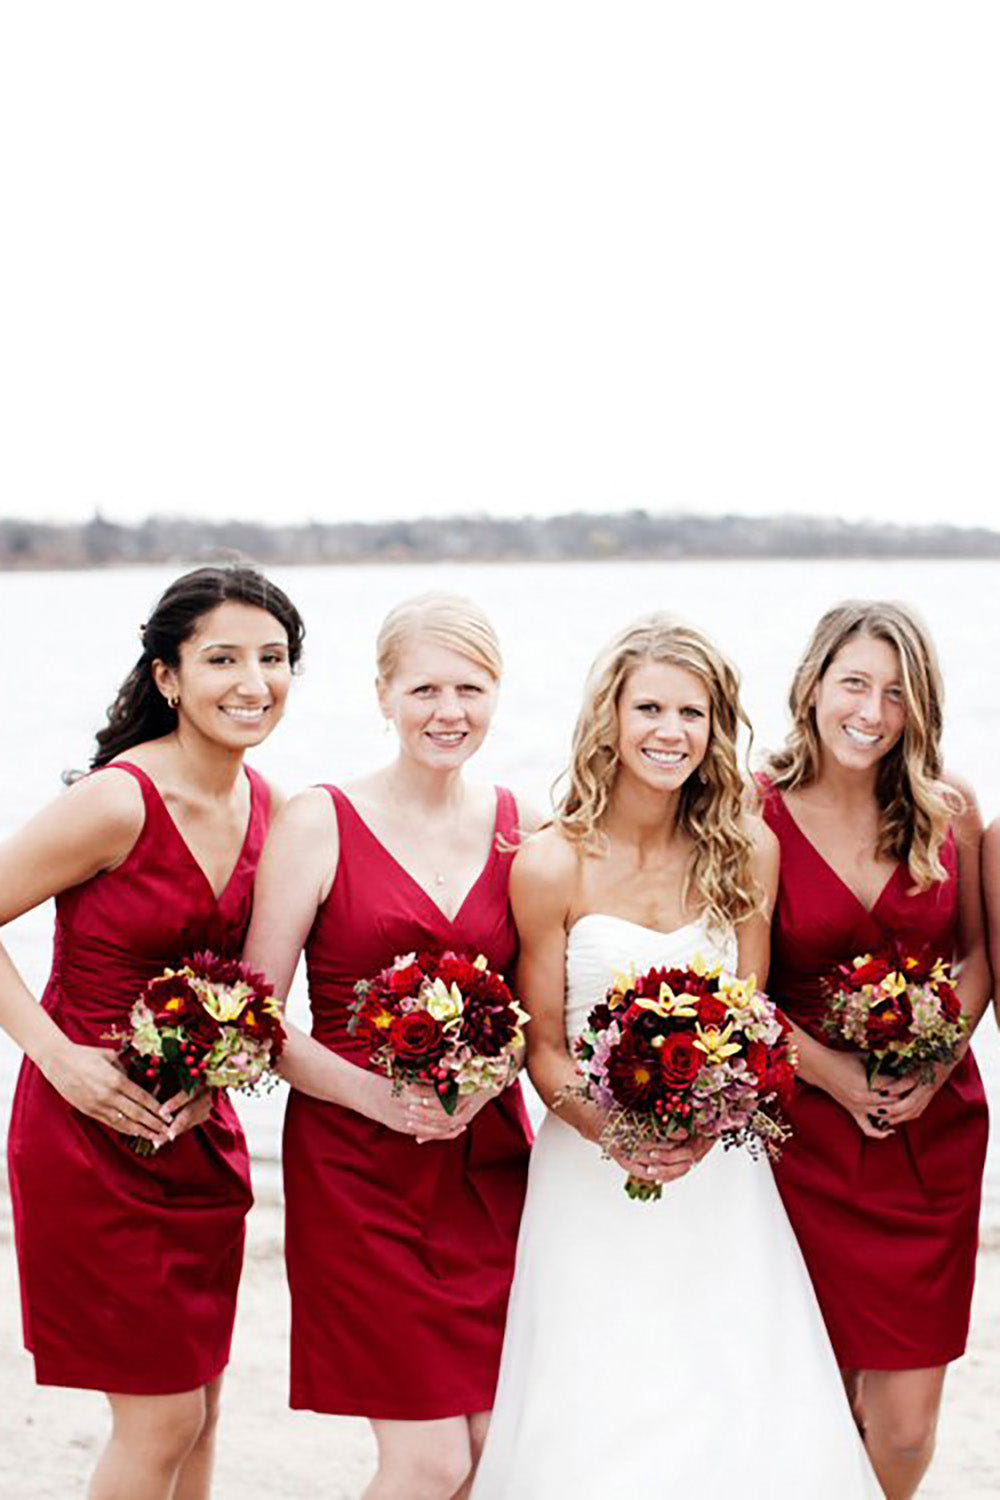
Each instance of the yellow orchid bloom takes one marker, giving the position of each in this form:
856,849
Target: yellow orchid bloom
893,984
620,986
668,1004
739,991
716,1044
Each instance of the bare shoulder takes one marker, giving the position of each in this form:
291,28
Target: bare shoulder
91,828
968,820
761,835
529,819
961,786
546,862
108,801
309,812
276,795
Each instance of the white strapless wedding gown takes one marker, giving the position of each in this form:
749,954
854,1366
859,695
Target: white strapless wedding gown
671,1350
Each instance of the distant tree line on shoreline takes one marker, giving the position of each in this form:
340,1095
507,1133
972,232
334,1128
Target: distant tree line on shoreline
634,534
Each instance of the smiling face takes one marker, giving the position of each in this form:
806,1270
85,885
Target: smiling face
233,676
860,703
664,725
440,702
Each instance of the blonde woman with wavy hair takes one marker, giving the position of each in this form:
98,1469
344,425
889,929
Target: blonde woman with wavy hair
882,1182
637,1331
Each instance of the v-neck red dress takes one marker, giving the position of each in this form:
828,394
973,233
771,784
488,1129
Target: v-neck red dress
399,1256
129,1265
888,1227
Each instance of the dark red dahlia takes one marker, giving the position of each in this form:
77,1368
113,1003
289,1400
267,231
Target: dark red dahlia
889,1020
634,1075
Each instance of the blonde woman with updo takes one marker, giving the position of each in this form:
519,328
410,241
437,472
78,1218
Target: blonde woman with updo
401,1220
670,1348
882,1181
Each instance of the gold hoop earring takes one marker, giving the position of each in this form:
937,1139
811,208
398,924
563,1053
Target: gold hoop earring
173,701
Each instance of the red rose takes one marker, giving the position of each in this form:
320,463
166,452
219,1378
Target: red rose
780,1080
680,1060
757,1060
415,1036
712,1011
405,981
453,969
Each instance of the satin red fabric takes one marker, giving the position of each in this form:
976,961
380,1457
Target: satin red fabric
399,1256
129,1265
888,1227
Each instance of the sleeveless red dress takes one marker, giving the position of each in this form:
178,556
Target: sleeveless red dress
399,1256
129,1265
888,1228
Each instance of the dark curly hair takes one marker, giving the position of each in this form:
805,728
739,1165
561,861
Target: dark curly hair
140,712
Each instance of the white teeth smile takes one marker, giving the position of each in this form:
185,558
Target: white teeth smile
665,757
859,737
442,738
248,715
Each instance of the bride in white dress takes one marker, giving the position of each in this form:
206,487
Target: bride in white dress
675,1348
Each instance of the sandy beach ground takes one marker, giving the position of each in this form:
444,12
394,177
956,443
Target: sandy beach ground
49,1438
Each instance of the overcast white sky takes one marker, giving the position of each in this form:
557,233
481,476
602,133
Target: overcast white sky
294,260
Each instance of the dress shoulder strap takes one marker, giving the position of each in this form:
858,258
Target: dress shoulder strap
772,805
508,832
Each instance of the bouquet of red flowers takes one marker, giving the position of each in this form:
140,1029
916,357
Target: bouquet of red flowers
688,1052
900,1009
212,1023
442,1020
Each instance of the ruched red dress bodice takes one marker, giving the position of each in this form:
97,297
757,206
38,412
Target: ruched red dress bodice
888,1227
399,1255
129,1265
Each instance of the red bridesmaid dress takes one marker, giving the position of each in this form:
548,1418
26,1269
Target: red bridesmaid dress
399,1256
888,1227
129,1265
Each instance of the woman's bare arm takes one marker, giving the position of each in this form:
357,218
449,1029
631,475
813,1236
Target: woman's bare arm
91,828
294,877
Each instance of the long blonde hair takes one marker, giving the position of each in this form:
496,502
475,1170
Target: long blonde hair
711,806
915,805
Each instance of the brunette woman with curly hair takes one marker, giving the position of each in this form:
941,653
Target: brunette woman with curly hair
649,1347
881,1180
